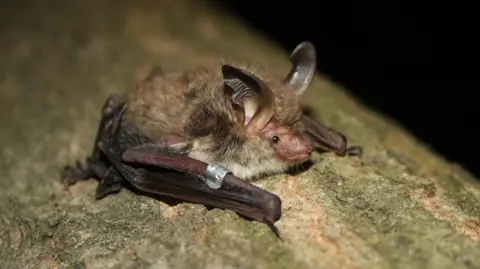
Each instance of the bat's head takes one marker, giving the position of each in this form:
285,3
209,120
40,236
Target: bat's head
271,114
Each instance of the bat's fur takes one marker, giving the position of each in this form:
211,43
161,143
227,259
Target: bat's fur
194,108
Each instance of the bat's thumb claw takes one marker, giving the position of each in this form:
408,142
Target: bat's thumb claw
272,226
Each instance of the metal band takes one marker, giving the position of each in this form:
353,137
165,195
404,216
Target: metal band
215,174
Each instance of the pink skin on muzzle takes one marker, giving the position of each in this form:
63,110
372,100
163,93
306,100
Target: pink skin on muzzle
291,146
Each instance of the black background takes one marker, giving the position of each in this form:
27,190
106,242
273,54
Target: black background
415,62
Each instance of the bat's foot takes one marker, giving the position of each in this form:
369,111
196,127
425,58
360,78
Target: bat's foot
355,151
71,174
110,184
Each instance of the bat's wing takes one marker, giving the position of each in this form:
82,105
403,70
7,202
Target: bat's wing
328,139
151,170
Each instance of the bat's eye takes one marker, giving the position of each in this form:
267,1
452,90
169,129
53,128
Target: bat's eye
275,139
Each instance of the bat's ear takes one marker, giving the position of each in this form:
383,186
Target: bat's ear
304,60
252,94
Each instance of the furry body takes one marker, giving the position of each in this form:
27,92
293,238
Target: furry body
194,109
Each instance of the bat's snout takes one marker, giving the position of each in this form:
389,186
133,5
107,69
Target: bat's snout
301,149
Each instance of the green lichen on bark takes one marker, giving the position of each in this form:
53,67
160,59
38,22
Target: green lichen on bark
399,206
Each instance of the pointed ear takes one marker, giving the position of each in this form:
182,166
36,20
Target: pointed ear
304,60
252,94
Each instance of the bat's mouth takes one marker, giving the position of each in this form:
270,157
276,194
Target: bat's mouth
299,158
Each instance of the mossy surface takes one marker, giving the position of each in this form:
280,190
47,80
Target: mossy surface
399,206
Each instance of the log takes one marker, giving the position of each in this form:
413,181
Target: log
399,206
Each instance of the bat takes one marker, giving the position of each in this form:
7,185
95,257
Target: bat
204,134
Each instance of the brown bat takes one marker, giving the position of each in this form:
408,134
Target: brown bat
202,135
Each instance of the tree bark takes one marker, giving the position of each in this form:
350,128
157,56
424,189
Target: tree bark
399,206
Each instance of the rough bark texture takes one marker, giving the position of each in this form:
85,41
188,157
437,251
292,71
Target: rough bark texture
400,206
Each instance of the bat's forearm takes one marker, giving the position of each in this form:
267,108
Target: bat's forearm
160,155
